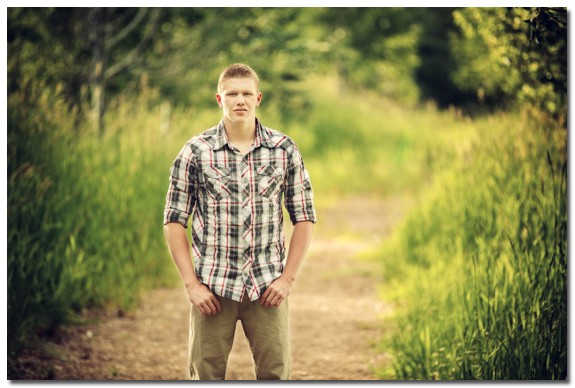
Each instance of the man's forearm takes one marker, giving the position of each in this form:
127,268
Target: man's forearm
280,288
199,294
299,244
179,247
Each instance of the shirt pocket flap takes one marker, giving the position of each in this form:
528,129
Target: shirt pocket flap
217,172
269,170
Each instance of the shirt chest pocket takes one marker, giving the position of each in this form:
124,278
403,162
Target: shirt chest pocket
269,181
217,181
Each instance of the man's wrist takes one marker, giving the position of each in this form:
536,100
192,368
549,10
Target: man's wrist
288,278
193,283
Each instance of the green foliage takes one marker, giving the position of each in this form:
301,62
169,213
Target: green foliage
45,46
249,35
498,57
374,49
54,47
83,228
358,142
85,212
478,270
512,56
434,75
40,242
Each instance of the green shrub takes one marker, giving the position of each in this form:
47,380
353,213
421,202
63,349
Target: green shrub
478,270
84,216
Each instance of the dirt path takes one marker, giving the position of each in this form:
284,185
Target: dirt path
335,314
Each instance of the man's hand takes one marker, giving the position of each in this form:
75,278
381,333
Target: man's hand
204,299
199,294
281,287
275,294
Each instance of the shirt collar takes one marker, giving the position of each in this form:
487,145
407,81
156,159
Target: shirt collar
263,136
221,136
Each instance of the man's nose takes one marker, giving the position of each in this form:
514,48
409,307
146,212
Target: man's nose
240,99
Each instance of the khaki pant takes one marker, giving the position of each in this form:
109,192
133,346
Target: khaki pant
267,331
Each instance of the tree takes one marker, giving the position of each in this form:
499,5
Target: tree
106,30
375,48
46,49
195,44
437,63
77,51
513,56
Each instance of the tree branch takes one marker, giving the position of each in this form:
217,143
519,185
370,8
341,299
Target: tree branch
112,25
126,30
135,53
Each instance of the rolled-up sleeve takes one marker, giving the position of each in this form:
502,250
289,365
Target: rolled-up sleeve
181,196
298,193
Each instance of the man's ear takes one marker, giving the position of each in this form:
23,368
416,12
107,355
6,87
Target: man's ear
219,98
259,100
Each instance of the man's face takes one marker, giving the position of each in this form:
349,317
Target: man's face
239,98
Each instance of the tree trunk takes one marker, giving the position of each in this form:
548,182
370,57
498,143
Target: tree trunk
101,42
97,80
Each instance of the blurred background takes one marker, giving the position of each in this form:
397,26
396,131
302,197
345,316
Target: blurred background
461,109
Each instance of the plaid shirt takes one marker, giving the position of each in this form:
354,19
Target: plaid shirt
238,240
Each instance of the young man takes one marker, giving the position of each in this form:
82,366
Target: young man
231,180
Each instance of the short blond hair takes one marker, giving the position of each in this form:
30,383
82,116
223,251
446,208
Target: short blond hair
238,70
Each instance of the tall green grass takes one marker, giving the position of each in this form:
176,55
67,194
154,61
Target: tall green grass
359,142
478,270
85,212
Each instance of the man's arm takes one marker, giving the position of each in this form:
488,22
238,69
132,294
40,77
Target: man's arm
280,288
199,294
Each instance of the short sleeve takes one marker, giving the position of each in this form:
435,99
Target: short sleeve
181,196
298,192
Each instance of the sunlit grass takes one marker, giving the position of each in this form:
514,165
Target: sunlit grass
85,212
478,269
356,142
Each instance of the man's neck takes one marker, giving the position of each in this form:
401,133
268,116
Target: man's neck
241,136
